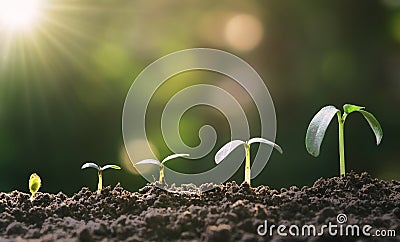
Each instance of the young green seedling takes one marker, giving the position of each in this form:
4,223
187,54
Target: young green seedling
161,164
34,185
229,147
320,122
100,172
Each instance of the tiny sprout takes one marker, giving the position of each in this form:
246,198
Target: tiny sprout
34,185
320,122
100,172
161,164
229,147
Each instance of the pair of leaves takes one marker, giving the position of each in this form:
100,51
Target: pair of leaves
319,124
229,147
99,168
156,162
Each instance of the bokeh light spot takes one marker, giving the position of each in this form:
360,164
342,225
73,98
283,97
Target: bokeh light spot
243,32
140,154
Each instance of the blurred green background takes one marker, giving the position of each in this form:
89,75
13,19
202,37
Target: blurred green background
64,80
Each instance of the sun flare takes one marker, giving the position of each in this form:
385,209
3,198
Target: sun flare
19,14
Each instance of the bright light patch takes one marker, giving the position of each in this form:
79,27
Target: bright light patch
19,14
243,32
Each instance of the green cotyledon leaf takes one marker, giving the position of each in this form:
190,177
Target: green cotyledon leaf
374,124
349,108
270,143
226,150
317,128
110,166
90,165
149,161
170,157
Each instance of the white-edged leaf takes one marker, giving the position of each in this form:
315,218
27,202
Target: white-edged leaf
374,124
226,150
90,165
148,161
170,157
349,108
270,143
317,128
110,166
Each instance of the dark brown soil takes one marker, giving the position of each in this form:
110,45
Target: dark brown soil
229,212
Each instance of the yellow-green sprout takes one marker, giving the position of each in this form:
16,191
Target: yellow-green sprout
34,185
100,172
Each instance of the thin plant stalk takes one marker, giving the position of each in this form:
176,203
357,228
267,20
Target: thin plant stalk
341,145
161,179
247,164
100,183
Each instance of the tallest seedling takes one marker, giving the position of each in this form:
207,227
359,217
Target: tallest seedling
320,122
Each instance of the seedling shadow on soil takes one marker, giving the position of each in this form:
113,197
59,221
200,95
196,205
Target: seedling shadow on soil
230,212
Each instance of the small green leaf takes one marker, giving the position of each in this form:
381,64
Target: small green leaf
170,157
317,128
110,166
374,124
149,161
270,143
349,108
90,165
226,150
34,184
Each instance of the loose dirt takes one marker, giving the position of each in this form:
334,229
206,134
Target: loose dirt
229,212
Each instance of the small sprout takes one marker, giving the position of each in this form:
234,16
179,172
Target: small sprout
34,185
161,164
100,172
320,122
229,147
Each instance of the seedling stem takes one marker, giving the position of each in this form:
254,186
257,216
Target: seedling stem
100,183
341,144
247,165
162,178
